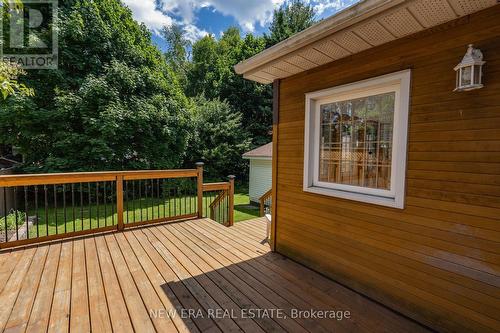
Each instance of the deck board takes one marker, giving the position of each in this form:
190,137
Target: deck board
132,281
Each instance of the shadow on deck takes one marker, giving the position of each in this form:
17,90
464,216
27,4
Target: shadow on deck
188,276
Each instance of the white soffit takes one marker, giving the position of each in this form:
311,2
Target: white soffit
368,24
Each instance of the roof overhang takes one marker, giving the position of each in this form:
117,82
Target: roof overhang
365,25
267,158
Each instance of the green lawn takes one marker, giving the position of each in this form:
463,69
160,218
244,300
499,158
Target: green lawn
242,209
87,217
93,216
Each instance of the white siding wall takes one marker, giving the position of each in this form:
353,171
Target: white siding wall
260,178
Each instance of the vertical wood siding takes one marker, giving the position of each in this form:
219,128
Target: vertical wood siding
437,260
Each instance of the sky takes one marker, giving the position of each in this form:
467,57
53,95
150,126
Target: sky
202,17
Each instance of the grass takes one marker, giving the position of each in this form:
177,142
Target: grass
242,209
57,221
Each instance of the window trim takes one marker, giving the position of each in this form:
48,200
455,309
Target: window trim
399,83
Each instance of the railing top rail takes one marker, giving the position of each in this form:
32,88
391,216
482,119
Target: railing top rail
219,198
85,177
216,186
266,195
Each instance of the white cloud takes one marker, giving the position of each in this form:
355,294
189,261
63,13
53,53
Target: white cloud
146,11
193,33
247,13
331,5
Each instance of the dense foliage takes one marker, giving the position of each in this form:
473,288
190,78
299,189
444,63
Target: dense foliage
116,102
288,19
212,75
9,84
217,138
113,103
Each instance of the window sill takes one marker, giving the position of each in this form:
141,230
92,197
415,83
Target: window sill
397,202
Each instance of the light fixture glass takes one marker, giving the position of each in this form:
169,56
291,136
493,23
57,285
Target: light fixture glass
470,70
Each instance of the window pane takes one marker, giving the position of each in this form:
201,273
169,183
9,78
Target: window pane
466,75
356,141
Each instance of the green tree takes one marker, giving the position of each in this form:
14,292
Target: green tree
217,138
177,54
113,103
212,75
9,84
289,19
9,72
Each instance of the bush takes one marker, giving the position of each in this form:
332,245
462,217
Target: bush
218,139
11,220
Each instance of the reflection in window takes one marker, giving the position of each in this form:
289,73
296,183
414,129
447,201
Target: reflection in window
356,141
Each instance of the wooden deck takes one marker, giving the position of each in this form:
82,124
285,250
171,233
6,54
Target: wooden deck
208,277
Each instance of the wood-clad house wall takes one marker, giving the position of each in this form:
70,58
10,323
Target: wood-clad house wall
438,259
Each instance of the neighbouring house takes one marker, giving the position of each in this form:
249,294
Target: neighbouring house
260,179
386,165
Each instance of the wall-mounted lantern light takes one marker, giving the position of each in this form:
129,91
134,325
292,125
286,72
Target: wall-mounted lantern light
470,70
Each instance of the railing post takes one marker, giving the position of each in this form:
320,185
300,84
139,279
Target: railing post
199,167
231,200
119,202
262,207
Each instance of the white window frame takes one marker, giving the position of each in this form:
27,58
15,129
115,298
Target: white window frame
399,83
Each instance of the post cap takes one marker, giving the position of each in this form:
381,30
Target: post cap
200,164
231,176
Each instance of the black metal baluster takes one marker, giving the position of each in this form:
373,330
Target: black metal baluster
216,194
90,205
64,209
158,197
140,198
133,198
193,196
175,201
169,198
126,200
26,211
113,202
219,205
105,204
152,204
45,189
186,193
190,198
73,209
163,197
81,206
55,208
179,189
227,209
146,198
5,212
36,213
15,212
97,202
152,200
206,205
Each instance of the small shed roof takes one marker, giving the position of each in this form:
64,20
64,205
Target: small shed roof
265,151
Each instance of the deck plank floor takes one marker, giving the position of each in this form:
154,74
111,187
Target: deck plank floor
190,276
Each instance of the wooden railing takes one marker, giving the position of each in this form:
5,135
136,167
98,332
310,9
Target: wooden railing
219,201
266,203
44,207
